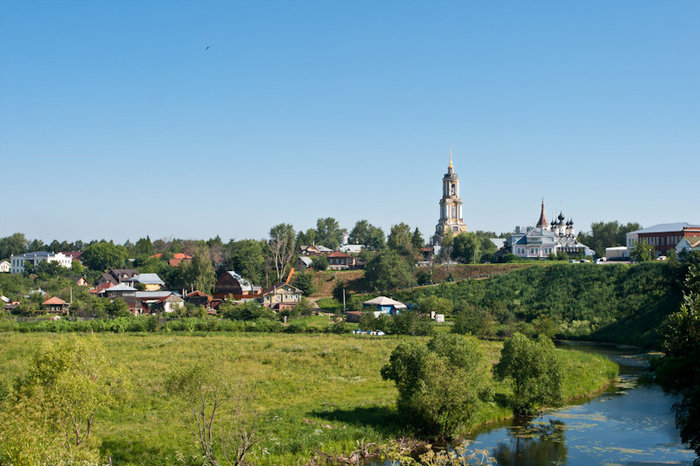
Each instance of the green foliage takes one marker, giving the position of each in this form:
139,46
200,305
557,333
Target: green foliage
303,308
302,382
678,370
535,370
432,303
389,271
438,384
56,402
400,239
470,320
118,308
199,272
104,255
319,263
13,244
643,251
607,234
466,248
328,232
368,235
620,303
249,310
305,282
417,241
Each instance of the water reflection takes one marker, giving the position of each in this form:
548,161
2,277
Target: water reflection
532,444
630,423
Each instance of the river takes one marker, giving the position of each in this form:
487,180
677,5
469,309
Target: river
630,423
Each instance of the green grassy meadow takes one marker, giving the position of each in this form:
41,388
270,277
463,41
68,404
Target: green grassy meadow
313,392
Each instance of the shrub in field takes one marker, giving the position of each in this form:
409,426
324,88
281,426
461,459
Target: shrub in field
50,415
535,371
439,384
206,390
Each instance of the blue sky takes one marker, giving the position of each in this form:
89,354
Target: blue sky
117,122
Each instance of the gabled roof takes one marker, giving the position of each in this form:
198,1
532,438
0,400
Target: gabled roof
55,301
306,260
693,241
282,286
244,283
122,287
147,279
339,254
384,301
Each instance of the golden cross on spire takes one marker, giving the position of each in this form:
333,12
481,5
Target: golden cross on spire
451,156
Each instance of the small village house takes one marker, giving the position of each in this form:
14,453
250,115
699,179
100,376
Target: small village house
4,267
55,304
282,296
384,305
150,281
116,276
340,261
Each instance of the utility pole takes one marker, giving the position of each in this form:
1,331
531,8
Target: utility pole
343,299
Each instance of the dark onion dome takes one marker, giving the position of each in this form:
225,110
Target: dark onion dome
561,217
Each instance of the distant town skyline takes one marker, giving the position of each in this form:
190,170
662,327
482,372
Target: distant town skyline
119,121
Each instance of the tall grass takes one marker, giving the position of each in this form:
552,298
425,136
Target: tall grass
313,392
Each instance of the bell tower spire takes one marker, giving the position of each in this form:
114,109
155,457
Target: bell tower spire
450,205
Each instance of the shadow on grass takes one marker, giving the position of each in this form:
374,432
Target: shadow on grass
379,418
124,451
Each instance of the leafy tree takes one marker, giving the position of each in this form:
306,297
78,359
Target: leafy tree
46,270
319,263
68,383
446,246
409,322
305,282
206,390
400,239
535,370
247,257
678,370
143,246
199,271
432,303
118,308
466,248
470,320
607,234
13,244
643,251
389,271
104,255
303,308
306,238
281,249
328,232
440,385
367,235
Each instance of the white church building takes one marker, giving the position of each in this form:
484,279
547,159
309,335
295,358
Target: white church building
543,239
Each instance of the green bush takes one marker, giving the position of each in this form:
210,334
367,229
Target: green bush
439,384
535,371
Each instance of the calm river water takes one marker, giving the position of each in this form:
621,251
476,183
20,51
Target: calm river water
628,424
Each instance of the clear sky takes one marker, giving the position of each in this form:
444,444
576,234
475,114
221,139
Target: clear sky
195,119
